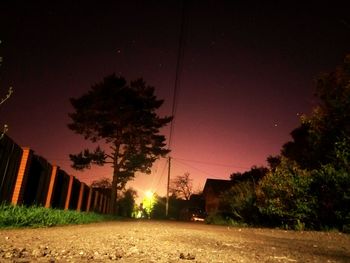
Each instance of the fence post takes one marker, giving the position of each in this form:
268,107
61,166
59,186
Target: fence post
81,194
107,205
69,192
21,180
51,186
104,205
100,206
96,199
89,200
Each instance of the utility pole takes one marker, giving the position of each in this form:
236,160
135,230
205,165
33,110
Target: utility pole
167,190
180,55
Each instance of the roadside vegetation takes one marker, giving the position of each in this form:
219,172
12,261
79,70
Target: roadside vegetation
307,186
37,216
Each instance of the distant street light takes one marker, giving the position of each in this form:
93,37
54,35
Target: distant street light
149,194
148,202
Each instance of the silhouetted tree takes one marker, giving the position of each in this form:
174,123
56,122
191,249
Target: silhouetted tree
175,207
240,199
2,100
182,187
7,96
254,174
124,117
313,142
159,208
127,202
302,148
104,183
283,196
311,185
273,161
148,204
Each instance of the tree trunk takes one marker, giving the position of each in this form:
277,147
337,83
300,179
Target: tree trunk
114,194
114,190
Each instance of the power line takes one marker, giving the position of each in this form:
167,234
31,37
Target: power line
200,170
161,175
180,56
179,64
179,159
211,163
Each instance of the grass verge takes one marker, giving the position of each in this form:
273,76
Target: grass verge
36,216
217,219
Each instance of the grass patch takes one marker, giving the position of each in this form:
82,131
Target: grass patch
37,216
225,220
218,219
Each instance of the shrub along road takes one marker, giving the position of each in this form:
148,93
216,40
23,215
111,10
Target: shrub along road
162,241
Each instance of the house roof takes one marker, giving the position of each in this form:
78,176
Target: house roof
217,185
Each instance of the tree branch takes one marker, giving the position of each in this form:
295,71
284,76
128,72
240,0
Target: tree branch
8,95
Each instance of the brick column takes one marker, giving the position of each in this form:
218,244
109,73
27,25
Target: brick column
17,196
69,192
51,186
89,200
81,195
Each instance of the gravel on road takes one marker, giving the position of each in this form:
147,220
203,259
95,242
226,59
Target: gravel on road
167,241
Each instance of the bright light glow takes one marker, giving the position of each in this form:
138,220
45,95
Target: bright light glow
148,203
149,194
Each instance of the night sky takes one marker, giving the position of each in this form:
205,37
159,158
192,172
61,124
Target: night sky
247,74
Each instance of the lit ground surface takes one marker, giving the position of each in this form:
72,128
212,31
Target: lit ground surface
160,241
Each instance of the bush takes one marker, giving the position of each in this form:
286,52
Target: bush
283,196
331,188
223,219
319,199
21,216
240,202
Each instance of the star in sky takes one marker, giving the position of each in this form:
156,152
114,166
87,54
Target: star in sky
247,73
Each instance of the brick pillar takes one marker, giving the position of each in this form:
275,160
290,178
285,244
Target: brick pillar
51,186
89,200
69,192
81,195
22,175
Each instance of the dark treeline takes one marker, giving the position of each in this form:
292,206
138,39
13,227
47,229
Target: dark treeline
308,185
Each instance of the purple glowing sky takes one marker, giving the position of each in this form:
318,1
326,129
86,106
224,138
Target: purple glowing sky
247,74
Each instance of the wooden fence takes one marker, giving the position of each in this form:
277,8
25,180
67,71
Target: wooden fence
28,179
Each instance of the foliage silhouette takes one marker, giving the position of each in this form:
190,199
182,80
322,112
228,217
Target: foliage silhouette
182,187
104,183
127,202
314,140
308,186
125,118
311,186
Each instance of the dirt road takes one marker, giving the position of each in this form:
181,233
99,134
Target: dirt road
161,241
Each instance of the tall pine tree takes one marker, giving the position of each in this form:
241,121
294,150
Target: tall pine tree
125,118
